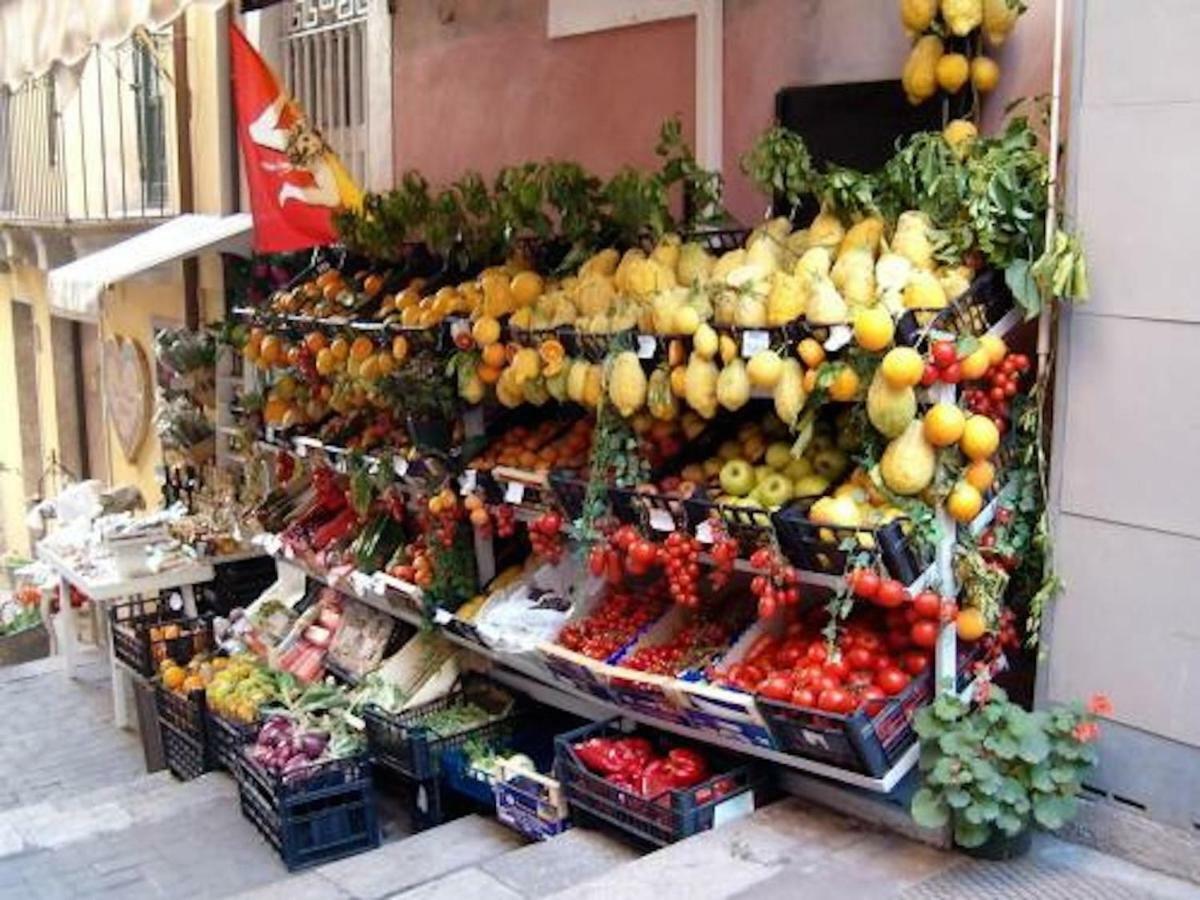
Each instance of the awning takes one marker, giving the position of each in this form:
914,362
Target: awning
75,288
37,34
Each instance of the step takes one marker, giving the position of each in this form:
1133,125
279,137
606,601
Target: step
547,867
402,866
729,860
71,818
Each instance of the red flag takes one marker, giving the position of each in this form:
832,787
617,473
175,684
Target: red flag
296,182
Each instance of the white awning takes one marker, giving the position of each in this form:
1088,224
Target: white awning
75,288
37,34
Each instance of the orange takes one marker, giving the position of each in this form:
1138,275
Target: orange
980,475
173,677
485,331
964,503
525,287
902,367
271,351
250,351
980,438
976,364
844,386
361,348
386,363
400,348
315,341
192,683
488,374
944,424
494,355
326,361
372,285
368,370
995,347
970,624
340,349
810,381
811,353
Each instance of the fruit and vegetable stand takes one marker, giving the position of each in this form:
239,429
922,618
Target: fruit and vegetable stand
736,501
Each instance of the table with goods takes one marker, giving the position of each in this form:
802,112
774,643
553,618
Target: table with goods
589,514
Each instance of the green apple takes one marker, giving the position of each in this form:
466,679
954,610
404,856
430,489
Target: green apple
798,468
830,463
774,490
761,473
810,486
737,477
779,455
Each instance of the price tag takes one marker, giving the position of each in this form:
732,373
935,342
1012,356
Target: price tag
301,449
442,617
379,583
469,481
754,342
732,809
514,493
270,434
647,345
704,532
372,465
661,520
361,584
339,464
400,466
839,337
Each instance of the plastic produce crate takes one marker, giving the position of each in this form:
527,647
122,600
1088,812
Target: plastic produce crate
672,816
822,548
227,740
402,743
870,744
183,727
239,584
984,304
147,631
530,803
321,813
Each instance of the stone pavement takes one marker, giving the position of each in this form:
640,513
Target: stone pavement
79,817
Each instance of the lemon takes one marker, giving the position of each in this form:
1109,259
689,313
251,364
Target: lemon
874,328
953,70
764,369
844,386
980,475
980,438
995,347
976,364
486,330
964,503
903,367
985,74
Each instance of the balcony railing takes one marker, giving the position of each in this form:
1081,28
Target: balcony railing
95,143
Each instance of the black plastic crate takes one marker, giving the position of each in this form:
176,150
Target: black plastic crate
406,746
670,817
825,548
238,584
147,631
183,727
323,812
870,744
984,304
750,527
227,740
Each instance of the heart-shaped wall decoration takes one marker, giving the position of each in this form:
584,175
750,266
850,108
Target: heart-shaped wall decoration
127,393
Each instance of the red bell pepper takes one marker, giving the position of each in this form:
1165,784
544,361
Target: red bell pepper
687,767
609,756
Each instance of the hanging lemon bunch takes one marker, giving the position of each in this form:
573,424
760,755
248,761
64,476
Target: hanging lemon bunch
949,37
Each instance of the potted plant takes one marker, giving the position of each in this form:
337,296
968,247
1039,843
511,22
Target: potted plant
994,770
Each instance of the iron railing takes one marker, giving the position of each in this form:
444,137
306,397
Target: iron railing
95,143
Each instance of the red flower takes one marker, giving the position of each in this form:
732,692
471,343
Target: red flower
1100,705
1086,732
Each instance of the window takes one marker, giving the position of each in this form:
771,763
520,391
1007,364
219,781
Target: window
51,122
6,180
151,124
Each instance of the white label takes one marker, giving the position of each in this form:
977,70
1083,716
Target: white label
361,583
372,465
704,532
301,449
661,520
270,434
339,463
647,344
732,809
514,493
754,342
839,337
400,466
468,481
441,617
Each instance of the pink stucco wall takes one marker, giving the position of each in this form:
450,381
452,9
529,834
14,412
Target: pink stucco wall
478,85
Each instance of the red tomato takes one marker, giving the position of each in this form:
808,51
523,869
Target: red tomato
897,640
883,661
927,605
860,658
943,353
836,668
803,697
808,674
835,700
826,683
777,687
891,594
914,662
892,681
790,653
864,583
924,634
860,679
817,652
643,553
952,374
752,674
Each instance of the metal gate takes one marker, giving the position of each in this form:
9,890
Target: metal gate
324,64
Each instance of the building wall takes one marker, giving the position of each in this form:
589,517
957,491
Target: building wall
1126,499
479,85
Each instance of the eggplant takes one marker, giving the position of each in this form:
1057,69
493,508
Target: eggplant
313,744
